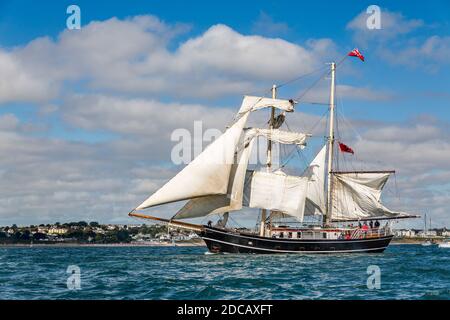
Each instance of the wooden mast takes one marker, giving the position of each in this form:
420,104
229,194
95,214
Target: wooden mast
330,147
262,226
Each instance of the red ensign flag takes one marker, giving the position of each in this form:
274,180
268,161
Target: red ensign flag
345,148
356,53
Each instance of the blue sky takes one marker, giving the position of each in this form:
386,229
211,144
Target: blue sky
57,97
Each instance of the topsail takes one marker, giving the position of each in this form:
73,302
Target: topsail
251,103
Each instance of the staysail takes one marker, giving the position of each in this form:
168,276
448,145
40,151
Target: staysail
356,195
316,197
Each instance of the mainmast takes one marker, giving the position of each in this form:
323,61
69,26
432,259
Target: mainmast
329,204
269,160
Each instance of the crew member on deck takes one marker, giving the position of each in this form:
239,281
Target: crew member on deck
365,228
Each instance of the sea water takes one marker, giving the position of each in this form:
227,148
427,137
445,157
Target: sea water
401,272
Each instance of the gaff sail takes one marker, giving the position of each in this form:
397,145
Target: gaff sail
357,195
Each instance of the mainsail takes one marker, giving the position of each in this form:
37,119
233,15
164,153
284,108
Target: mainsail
356,195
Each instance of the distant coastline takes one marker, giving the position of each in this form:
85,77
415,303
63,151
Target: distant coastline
76,234
198,243
415,240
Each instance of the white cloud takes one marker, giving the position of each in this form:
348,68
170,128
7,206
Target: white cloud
431,54
393,24
17,84
134,56
141,117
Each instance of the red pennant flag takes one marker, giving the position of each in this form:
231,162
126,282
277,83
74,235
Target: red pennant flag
356,53
345,148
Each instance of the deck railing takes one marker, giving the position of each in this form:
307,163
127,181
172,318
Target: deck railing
370,233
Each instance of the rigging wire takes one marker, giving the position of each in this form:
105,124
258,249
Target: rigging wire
322,76
300,77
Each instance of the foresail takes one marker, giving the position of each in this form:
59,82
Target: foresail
315,199
252,103
357,196
231,201
206,175
276,191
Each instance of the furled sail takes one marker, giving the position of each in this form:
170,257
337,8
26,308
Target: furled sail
232,201
252,103
208,174
276,135
357,196
276,191
316,197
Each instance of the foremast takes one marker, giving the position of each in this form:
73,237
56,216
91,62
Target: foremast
329,204
262,227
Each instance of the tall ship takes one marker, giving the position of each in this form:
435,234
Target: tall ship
320,210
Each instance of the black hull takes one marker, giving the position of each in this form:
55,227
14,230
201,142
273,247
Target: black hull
223,241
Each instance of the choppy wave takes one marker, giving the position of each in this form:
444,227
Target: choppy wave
407,272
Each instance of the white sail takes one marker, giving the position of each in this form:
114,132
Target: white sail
315,199
231,201
252,103
208,174
276,135
276,191
357,195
